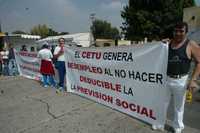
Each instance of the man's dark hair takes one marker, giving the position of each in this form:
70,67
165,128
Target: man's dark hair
23,48
182,25
45,46
61,39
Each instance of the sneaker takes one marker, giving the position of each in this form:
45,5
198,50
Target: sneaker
178,130
65,93
158,127
45,86
61,88
58,91
53,86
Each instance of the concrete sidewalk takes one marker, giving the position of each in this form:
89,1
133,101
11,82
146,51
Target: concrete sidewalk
26,107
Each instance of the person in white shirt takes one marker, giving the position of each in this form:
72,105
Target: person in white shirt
60,63
12,65
46,68
1,63
4,55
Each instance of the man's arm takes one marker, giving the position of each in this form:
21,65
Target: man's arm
195,53
57,53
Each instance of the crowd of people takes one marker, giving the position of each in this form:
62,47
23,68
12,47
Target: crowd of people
51,57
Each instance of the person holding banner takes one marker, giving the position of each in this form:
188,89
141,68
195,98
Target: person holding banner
1,63
60,63
23,48
46,68
13,70
181,51
5,60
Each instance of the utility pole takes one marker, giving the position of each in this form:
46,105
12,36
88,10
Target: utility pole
1,37
92,18
0,25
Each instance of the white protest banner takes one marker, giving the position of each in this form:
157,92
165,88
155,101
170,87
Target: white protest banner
28,64
130,79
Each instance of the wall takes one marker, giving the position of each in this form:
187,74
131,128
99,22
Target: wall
192,17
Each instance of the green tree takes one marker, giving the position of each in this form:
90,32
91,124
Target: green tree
188,3
153,19
103,30
52,32
18,32
43,31
63,33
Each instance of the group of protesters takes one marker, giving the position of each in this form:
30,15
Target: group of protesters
49,59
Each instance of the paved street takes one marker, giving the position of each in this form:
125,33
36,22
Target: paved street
26,107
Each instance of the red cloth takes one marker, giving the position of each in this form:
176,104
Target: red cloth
46,67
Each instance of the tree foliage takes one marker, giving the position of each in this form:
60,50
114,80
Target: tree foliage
43,31
103,30
153,19
188,3
63,33
18,32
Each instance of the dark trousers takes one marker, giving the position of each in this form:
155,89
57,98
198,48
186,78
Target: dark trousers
1,68
61,73
5,67
48,80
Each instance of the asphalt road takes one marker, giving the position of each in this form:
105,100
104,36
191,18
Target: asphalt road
26,107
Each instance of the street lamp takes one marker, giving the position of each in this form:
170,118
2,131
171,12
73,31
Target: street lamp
92,18
2,37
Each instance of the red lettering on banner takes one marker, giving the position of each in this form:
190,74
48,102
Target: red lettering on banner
91,55
118,87
132,107
151,114
83,67
24,53
96,94
29,67
136,108
102,84
144,112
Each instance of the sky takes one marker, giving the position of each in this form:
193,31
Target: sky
61,15
197,2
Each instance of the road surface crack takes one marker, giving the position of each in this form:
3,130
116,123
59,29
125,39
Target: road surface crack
48,106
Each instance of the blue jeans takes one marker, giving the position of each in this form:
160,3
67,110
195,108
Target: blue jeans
48,80
1,68
61,73
12,67
5,68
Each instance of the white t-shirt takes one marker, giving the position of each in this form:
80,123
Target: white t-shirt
61,57
4,54
45,54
